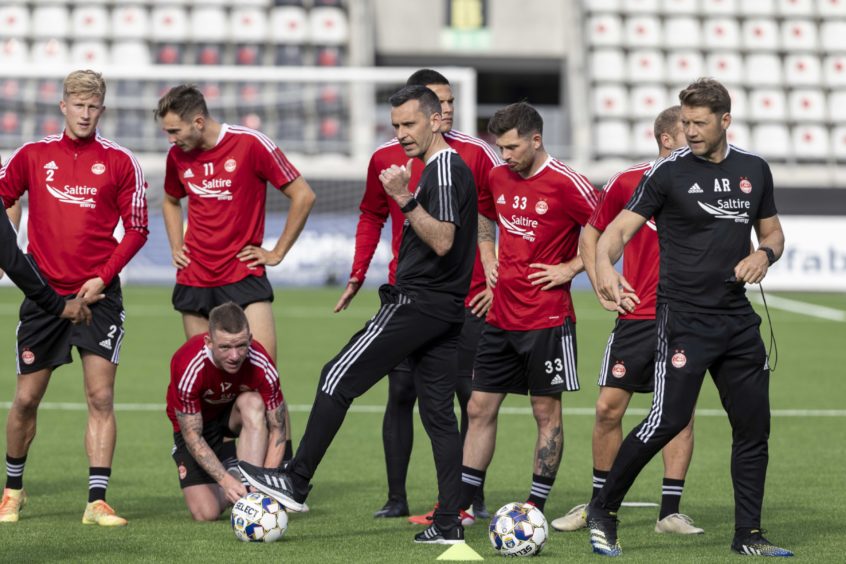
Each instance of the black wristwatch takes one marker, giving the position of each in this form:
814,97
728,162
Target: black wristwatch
413,203
771,258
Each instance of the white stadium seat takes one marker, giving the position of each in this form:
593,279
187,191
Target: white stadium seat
50,52
248,24
719,7
647,101
724,66
757,8
767,105
831,9
328,26
640,7
607,65
612,138
591,6
796,8
721,33
688,7
169,24
799,35
838,142
739,103
90,22
643,31
130,21
802,70
685,31
49,21
834,70
771,141
89,54
738,134
643,138
760,34
13,52
806,105
763,70
288,24
810,143
645,66
685,65
209,24
136,53
610,100
837,106
14,21
833,36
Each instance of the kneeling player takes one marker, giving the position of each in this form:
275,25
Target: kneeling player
223,384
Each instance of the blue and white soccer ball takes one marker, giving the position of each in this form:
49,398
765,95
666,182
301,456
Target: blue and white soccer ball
258,518
518,529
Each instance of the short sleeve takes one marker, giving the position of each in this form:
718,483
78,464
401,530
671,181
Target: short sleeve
271,164
172,185
768,207
612,201
651,193
446,186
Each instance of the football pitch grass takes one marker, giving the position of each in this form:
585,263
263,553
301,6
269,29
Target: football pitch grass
803,508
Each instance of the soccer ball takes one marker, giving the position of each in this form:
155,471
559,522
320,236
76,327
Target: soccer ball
518,529
258,518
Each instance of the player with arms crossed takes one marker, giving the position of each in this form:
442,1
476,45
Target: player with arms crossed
628,365
80,185
705,199
376,206
223,384
528,345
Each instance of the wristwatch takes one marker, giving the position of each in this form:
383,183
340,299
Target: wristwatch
771,258
412,203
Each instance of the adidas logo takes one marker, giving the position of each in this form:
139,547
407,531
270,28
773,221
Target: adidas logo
501,199
695,189
107,343
51,166
557,380
189,174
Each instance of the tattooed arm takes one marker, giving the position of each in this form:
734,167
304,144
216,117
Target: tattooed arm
487,249
191,427
276,439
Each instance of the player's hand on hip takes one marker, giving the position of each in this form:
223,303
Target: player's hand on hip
180,257
481,303
395,179
92,290
77,311
348,294
255,256
550,275
753,268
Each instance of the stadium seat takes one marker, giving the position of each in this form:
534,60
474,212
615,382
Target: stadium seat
796,8
767,105
738,134
90,22
834,71
763,70
810,143
643,31
14,21
593,6
764,8
89,54
686,32
50,52
672,7
831,9
253,119
604,30
209,54
739,103
48,124
645,66
328,57
725,67
643,139
130,21
10,125
249,54
329,99
49,21
288,55
48,90
806,105
13,52
771,141
288,24
799,35
837,106
719,7
647,101
136,53
328,26
833,36
838,142
685,65
610,100
212,93
169,24
249,95
760,34
612,138
169,54
721,33
607,65
248,25
802,70
640,7
11,91
209,24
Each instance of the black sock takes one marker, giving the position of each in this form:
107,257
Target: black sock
14,472
541,485
471,481
98,481
599,477
671,492
289,451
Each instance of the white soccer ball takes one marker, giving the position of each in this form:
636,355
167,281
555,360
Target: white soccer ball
258,518
518,529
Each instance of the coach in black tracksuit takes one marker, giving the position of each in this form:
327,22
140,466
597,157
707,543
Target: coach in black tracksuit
705,199
420,318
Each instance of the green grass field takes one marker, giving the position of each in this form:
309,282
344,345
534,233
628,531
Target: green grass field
806,489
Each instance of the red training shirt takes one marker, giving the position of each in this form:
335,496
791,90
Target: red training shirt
78,190
640,257
226,188
376,205
198,386
540,219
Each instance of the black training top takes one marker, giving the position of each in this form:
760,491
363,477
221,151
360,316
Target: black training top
704,212
440,284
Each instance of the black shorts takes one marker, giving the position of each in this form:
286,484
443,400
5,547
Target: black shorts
194,299
629,361
190,471
539,362
468,343
45,341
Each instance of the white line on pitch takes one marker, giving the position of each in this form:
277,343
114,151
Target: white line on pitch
363,408
804,308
